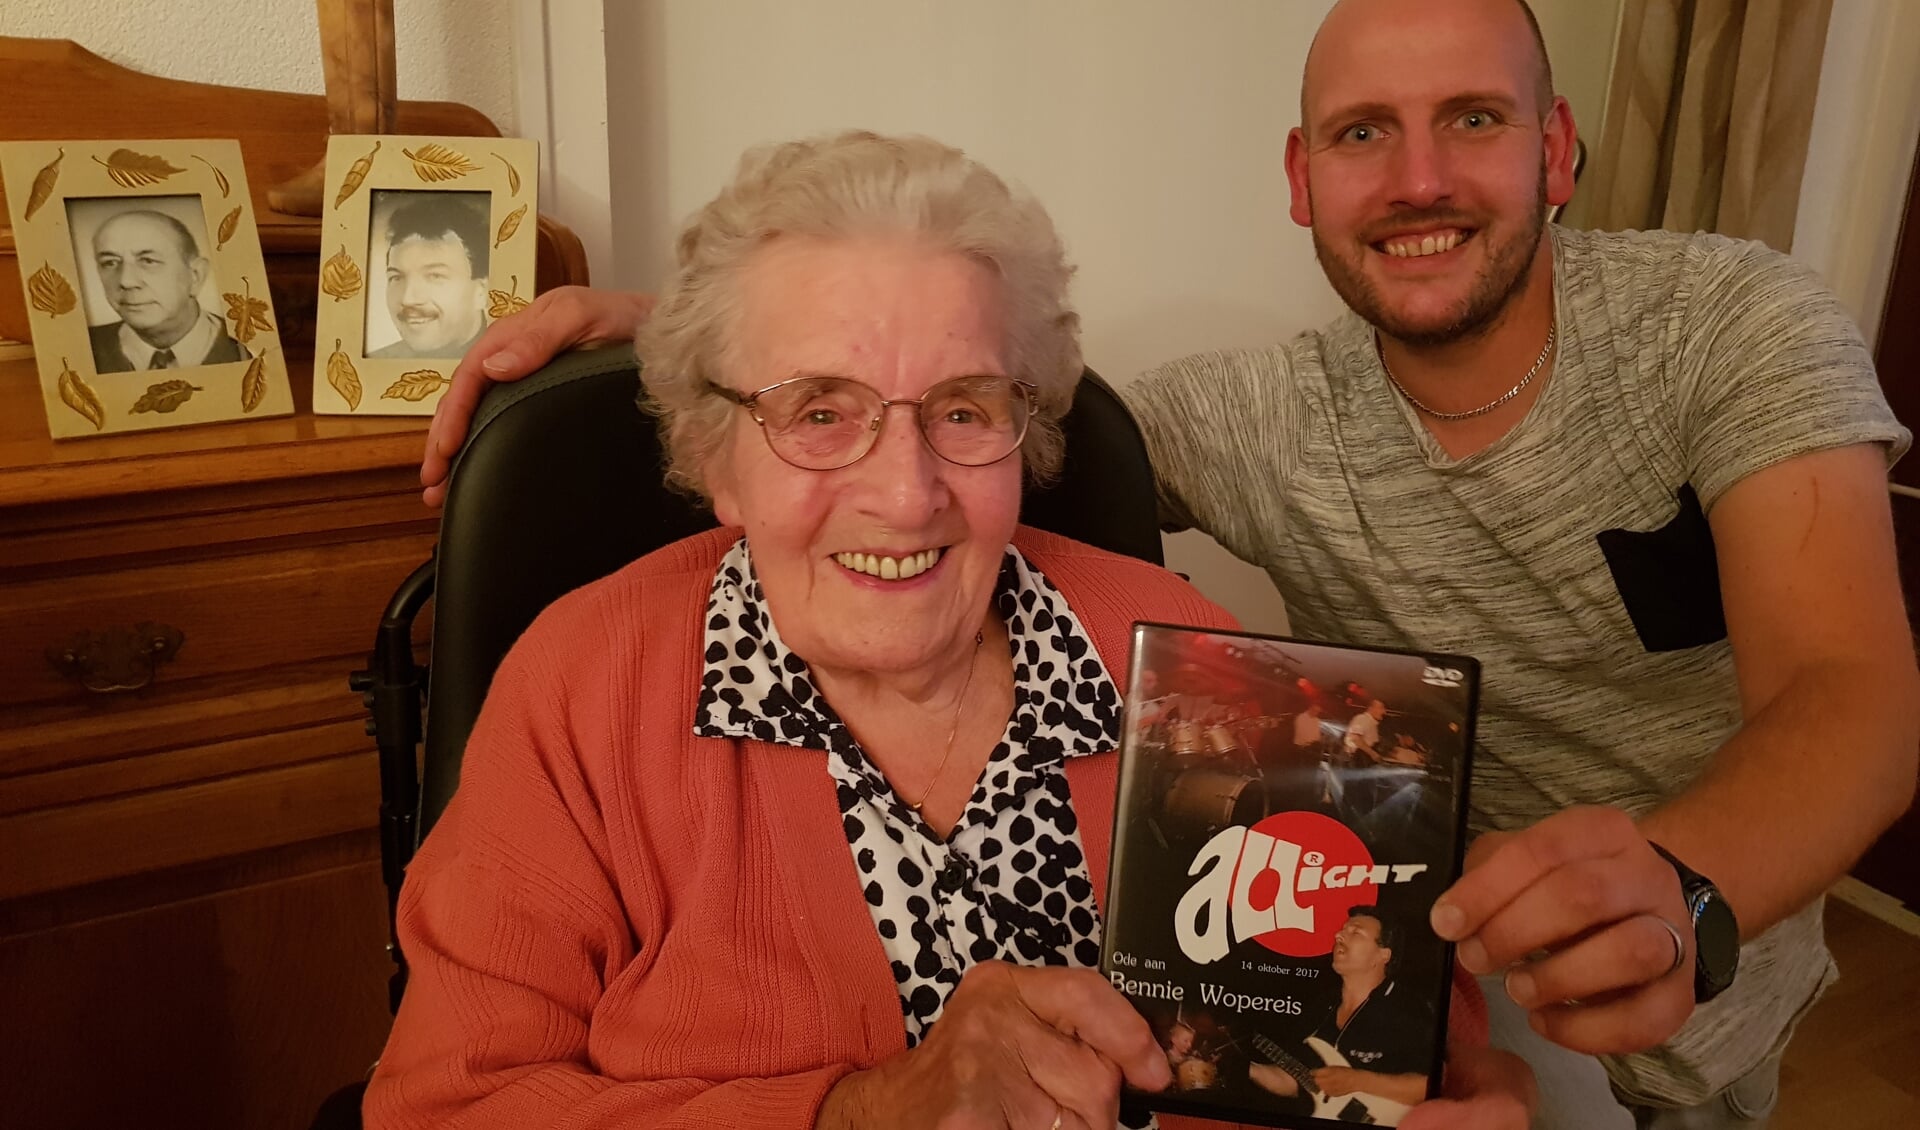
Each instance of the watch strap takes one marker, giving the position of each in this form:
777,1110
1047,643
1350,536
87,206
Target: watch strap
1696,889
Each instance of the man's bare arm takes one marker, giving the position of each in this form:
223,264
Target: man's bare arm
1825,761
1826,758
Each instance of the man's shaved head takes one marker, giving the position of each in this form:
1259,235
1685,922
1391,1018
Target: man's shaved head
1430,150
1364,9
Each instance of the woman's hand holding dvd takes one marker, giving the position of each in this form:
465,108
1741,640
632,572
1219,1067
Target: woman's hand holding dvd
1016,1047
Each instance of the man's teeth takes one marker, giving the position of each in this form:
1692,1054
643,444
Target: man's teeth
890,568
1426,245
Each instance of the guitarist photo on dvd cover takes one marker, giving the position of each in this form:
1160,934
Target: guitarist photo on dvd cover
1367,1048
1287,813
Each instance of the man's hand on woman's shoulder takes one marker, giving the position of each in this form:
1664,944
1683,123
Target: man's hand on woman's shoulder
511,348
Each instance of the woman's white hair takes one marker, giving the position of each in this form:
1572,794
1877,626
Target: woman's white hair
849,185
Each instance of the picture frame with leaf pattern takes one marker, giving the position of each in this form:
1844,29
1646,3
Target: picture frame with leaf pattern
425,241
146,289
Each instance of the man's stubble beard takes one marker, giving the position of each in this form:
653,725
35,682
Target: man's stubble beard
1509,268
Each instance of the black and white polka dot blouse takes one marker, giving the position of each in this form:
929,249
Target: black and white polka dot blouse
1010,882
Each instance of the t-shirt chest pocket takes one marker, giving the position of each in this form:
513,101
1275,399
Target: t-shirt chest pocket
1669,579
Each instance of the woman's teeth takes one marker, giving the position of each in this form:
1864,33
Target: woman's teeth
1426,245
890,568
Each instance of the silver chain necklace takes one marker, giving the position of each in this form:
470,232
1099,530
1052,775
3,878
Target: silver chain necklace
1553,329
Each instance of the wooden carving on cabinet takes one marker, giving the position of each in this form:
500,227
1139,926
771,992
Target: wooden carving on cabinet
357,57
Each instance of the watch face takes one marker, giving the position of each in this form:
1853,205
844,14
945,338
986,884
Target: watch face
1716,941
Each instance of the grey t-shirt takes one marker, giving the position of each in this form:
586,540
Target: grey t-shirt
1684,362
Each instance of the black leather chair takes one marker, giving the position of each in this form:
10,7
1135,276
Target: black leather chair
560,484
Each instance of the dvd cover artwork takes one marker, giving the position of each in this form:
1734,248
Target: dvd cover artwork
1287,813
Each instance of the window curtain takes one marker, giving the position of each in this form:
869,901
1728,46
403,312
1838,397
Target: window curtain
1709,111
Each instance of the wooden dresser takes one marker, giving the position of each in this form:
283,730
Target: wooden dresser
191,916
192,923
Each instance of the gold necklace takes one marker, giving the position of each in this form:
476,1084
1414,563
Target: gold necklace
1552,331
978,639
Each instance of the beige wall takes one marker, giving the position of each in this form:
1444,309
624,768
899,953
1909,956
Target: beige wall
1153,131
447,50
1580,37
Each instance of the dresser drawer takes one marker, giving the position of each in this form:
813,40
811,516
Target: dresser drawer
97,636
72,845
45,541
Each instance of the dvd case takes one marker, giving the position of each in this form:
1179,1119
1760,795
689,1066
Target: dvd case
1287,813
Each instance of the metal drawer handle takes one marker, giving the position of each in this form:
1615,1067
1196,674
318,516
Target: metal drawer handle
118,659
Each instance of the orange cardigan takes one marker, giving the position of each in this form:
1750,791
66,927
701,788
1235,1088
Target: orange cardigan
618,924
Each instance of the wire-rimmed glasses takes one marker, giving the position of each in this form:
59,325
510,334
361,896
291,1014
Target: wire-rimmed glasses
825,423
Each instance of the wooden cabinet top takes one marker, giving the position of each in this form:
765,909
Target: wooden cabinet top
37,469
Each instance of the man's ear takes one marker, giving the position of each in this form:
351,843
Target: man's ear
1560,142
198,269
1302,204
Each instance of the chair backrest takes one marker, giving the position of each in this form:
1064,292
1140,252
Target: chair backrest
560,484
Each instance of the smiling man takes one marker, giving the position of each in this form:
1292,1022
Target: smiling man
151,269
437,262
1640,476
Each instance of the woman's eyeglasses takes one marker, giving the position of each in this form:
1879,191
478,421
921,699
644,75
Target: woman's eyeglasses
825,423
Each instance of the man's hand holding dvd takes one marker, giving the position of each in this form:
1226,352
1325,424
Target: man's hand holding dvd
1287,814
1620,973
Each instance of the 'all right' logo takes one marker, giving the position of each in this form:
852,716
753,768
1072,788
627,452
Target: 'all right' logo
1286,883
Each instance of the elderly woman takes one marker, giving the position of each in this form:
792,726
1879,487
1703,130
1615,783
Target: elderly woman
804,822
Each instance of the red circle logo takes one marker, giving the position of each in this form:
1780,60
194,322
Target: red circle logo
1329,856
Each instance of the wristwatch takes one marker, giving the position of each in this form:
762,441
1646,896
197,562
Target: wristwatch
1716,933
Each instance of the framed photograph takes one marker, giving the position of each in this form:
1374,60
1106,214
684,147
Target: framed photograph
425,241
145,285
